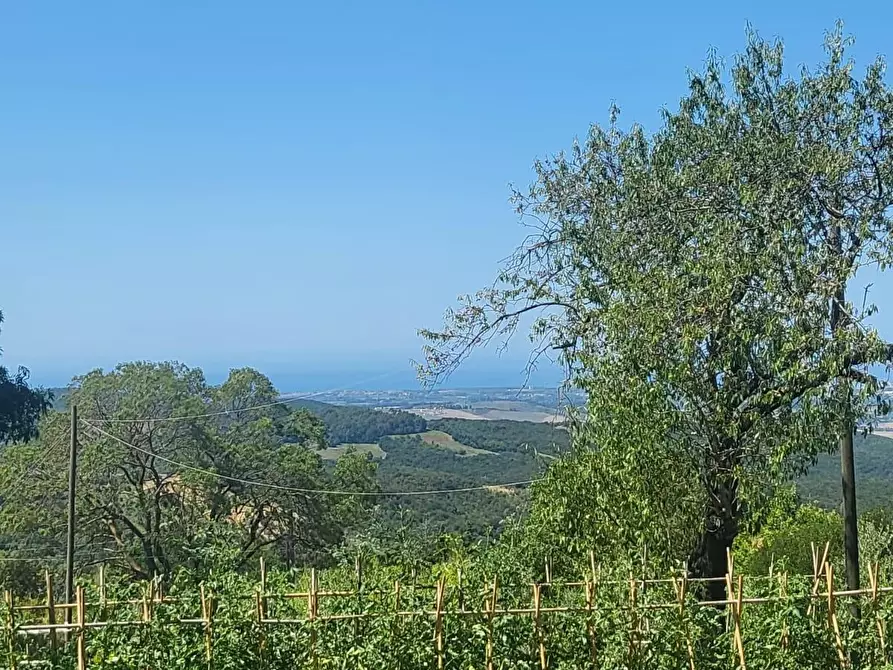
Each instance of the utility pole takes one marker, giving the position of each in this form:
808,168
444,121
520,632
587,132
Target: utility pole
848,481
850,524
72,481
845,443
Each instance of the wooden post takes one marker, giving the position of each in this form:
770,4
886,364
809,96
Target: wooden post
491,612
260,607
395,630
263,588
593,571
590,624
832,616
72,484
681,588
11,629
207,613
102,592
261,638
644,569
818,569
548,570
460,586
438,621
730,573
783,594
82,629
850,524
537,625
634,617
879,621
51,610
358,572
736,607
147,595
311,613
739,607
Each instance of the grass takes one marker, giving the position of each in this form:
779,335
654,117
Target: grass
435,438
438,438
334,453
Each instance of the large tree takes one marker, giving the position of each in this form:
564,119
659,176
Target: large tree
692,281
20,405
171,467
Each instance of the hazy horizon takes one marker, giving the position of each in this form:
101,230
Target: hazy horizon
370,376
300,188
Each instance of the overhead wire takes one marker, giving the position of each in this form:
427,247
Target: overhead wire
306,491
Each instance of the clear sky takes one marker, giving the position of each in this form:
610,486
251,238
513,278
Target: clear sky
300,186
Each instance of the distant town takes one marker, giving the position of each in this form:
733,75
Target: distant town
518,404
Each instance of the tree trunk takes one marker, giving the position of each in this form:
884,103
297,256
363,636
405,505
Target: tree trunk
710,558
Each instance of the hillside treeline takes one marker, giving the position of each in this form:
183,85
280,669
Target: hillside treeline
506,436
358,425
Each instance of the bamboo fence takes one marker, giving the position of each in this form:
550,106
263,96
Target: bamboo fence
42,620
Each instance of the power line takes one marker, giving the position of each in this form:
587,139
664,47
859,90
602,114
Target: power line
241,409
292,489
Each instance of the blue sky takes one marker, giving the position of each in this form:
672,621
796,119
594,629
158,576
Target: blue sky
301,186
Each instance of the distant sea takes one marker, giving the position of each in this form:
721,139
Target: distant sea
368,375
371,380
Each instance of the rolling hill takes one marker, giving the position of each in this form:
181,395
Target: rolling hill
874,476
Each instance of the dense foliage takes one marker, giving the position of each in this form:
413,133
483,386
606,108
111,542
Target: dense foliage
21,406
413,465
506,436
694,282
628,626
140,508
345,424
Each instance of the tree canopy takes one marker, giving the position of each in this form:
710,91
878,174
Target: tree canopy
692,281
169,468
345,424
20,405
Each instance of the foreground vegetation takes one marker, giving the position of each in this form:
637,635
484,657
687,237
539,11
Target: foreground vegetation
467,611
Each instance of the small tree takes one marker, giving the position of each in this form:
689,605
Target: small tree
169,466
693,280
20,405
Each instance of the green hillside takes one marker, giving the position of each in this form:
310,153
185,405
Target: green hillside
874,476
415,455
457,453
347,424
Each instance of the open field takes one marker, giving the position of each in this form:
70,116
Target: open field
443,440
884,429
435,438
505,411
